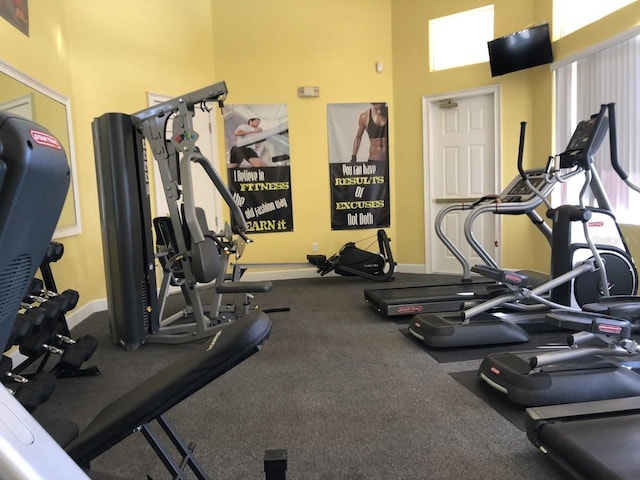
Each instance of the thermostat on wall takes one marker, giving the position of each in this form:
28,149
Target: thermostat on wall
308,91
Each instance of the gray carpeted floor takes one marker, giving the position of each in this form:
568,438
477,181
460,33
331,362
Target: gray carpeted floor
336,385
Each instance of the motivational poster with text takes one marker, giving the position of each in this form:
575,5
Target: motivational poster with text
359,165
259,165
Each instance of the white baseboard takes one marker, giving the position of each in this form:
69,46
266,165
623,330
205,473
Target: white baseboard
411,268
284,274
100,305
310,272
77,316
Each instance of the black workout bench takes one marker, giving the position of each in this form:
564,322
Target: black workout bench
149,401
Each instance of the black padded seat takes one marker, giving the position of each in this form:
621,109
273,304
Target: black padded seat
244,287
233,343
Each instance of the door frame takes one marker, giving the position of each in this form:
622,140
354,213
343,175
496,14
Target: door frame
22,106
429,103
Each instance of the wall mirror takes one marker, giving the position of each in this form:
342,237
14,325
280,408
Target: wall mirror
27,97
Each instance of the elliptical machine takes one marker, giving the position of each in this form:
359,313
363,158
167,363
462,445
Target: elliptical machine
599,360
353,261
515,199
578,273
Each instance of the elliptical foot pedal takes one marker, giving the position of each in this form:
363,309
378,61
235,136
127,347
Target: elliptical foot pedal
446,331
507,277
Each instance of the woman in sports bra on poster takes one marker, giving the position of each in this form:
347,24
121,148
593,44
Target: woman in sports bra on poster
375,122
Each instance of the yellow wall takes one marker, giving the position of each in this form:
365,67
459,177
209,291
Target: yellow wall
107,54
120,51
43,55
265,51
525,96
520,100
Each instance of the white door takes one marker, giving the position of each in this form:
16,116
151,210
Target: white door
205,194
462,165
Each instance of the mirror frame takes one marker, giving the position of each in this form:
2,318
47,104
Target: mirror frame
7,69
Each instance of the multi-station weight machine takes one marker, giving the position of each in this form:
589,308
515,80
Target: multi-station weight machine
190,254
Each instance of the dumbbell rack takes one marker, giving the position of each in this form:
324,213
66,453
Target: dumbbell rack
41,330
57,331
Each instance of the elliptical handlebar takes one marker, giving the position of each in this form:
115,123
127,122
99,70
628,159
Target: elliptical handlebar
505,204
613,142
523,127
600,130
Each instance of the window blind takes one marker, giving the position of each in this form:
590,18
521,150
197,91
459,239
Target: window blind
608,75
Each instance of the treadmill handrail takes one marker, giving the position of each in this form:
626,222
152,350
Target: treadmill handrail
519,207
449,245
568,354
503,208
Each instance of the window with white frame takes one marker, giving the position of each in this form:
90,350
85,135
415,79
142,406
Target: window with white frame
460,39
571,15
606,75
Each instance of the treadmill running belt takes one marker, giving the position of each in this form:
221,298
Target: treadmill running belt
596,448
392,302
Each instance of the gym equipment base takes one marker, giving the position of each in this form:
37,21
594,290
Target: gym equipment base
592,440
589,379
447,330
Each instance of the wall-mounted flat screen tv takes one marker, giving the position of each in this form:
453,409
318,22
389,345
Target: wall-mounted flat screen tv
525,49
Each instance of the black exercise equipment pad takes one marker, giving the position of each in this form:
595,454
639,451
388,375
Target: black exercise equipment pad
230,345
596,448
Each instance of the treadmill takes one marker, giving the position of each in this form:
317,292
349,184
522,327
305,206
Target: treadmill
590,441
517,198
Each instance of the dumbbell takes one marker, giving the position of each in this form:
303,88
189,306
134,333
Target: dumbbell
37,288
76,352
30,392
67,299
34,392
69,296
54,252
52,310
39,341
72,356
23,325
52,319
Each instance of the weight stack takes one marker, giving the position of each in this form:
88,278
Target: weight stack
125,216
